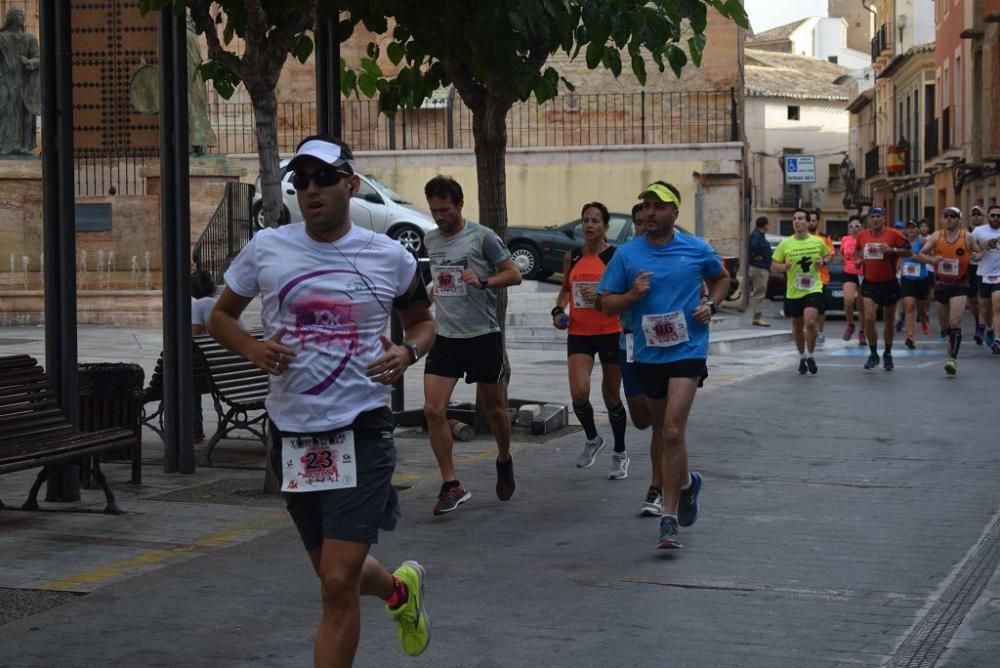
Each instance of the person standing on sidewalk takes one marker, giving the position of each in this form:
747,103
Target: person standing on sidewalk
951,250
987,237
801,258
760,269
879,247
824,274
851,275
468,263
658,278
326,291
592,333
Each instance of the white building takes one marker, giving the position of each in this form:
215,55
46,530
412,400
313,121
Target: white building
815,37
793,107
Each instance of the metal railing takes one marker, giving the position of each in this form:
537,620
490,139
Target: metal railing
881,41
872,162
102,172
599,119
946,129
931,139
227,233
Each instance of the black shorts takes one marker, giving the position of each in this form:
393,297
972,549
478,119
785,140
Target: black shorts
655,378
986,290
605,346
479,359
974,281
355,514
850,278
918,289
796,308
944,293
883,293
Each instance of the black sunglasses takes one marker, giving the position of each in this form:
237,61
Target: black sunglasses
952,215
323,178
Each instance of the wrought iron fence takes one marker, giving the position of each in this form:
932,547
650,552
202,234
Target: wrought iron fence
100,172
227,233
600,119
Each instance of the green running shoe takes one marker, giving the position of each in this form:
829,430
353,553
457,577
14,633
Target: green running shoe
951,366
412,618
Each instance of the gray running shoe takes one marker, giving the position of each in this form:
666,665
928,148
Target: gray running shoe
653,505
589,453
619,465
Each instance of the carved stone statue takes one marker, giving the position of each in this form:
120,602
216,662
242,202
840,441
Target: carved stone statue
200,133
144,94
19,86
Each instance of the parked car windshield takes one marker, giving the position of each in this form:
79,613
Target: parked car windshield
386,190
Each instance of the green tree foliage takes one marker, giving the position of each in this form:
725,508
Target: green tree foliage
495,54
249,42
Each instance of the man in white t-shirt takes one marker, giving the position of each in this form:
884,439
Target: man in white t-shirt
988,238
326,291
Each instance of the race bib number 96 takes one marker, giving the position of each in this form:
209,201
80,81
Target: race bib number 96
317,464
665,330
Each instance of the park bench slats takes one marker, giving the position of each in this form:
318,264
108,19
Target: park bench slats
35,433
238,390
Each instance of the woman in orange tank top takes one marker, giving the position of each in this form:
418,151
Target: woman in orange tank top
592,333
949,251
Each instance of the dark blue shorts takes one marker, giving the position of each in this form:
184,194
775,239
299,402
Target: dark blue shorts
355,514
630,378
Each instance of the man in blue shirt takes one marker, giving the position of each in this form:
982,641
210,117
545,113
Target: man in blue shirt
658,279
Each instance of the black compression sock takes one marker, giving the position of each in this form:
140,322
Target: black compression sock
618,418
888,349
954,341
585,414
874,348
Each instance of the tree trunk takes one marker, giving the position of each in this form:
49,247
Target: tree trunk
265,106
489,129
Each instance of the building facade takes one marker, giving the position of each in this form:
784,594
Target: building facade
794,107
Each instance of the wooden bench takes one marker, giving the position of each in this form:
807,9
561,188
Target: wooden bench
238,390
154,392
34,431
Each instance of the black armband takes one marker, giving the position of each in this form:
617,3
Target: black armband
414,296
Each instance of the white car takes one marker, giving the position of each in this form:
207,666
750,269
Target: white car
375,206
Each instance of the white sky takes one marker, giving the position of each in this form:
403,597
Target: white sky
767,14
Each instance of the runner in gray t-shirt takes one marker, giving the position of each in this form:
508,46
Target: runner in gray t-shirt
468,262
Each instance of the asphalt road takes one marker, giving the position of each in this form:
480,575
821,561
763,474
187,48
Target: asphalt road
848,518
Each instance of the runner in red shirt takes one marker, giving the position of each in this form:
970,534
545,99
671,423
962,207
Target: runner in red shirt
879,247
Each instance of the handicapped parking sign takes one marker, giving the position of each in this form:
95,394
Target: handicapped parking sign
800,169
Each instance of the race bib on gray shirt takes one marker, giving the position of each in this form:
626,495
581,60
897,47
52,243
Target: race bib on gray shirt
463,313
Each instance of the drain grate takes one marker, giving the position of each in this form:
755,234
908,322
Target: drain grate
929,638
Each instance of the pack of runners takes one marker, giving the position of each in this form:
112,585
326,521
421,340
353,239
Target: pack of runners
643,310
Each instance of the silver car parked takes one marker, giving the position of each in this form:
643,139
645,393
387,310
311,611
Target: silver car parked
375,206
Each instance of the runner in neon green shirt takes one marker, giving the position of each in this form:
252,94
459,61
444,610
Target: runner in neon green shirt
801,257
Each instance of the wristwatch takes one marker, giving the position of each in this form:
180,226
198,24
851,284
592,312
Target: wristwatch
414,351
559,310
712,306
484,283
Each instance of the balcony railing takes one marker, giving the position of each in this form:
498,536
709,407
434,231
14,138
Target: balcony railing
881,41
872,163
946,129
931,139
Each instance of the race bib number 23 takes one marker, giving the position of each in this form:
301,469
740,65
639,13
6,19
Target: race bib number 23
319,463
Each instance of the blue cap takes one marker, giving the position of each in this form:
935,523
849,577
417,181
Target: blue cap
899,225
876,210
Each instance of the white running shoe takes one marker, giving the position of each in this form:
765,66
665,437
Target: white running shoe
653,505
619,466
589,453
